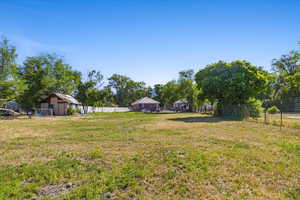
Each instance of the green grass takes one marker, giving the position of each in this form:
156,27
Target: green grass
148,156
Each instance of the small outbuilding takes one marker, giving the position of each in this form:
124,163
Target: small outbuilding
182,105
58,104
146,104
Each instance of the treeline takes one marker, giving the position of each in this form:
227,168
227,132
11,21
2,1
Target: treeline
38,76
236,86
241,89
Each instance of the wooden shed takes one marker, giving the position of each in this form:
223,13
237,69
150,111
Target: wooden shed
59,103
145,104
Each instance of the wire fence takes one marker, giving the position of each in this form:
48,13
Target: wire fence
280,119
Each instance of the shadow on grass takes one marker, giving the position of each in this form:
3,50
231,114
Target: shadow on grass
206,119
160,113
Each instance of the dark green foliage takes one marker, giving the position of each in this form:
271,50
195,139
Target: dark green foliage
72,111
44,75
287,84
127,90
253,108
182,89
87,91
10,86
231,85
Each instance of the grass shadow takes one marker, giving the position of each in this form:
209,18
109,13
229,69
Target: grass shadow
160,113
206,119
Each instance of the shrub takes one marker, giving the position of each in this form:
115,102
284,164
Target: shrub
252,108
77,110
71,111
273,110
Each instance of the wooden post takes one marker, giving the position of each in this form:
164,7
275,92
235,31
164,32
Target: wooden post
265,116
281,122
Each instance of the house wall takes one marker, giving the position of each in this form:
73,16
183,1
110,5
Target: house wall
151,107
59,106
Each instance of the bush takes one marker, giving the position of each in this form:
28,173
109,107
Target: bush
273,110
77,110
70,111
253,108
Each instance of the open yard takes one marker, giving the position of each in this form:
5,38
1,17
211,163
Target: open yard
147,156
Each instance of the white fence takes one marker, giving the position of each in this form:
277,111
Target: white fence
90,109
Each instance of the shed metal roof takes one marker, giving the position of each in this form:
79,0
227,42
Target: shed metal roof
181,101
67,98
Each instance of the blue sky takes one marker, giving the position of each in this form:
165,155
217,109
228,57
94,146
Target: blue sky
152,40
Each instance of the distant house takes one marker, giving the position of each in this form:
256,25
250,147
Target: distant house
145,104
182,105
59,103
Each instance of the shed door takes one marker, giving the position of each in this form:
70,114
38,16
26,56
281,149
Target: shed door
61,109
54,102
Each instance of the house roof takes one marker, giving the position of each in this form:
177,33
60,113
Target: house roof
64,97
67,98
182,101
145,100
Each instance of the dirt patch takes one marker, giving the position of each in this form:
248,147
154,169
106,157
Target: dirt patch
293,117
56,190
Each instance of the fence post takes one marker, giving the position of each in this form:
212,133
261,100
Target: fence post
265,116
281,122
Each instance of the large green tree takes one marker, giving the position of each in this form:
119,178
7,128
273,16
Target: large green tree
286,86
43,75
127,90
170,92
231,84
89,92
288,64
186,86
10,85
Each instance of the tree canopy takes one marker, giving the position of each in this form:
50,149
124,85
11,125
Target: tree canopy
231,83
224,83
43,75
10,85
127,90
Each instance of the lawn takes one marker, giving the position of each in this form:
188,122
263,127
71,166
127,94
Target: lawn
147,156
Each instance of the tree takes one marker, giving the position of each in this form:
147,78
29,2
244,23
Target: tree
185,85
286,70
127,90
186,74
43,75
231,84
288,64
170,92
87,92
10,85
158,93
182,88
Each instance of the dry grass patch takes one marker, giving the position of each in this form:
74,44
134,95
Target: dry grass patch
148,156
